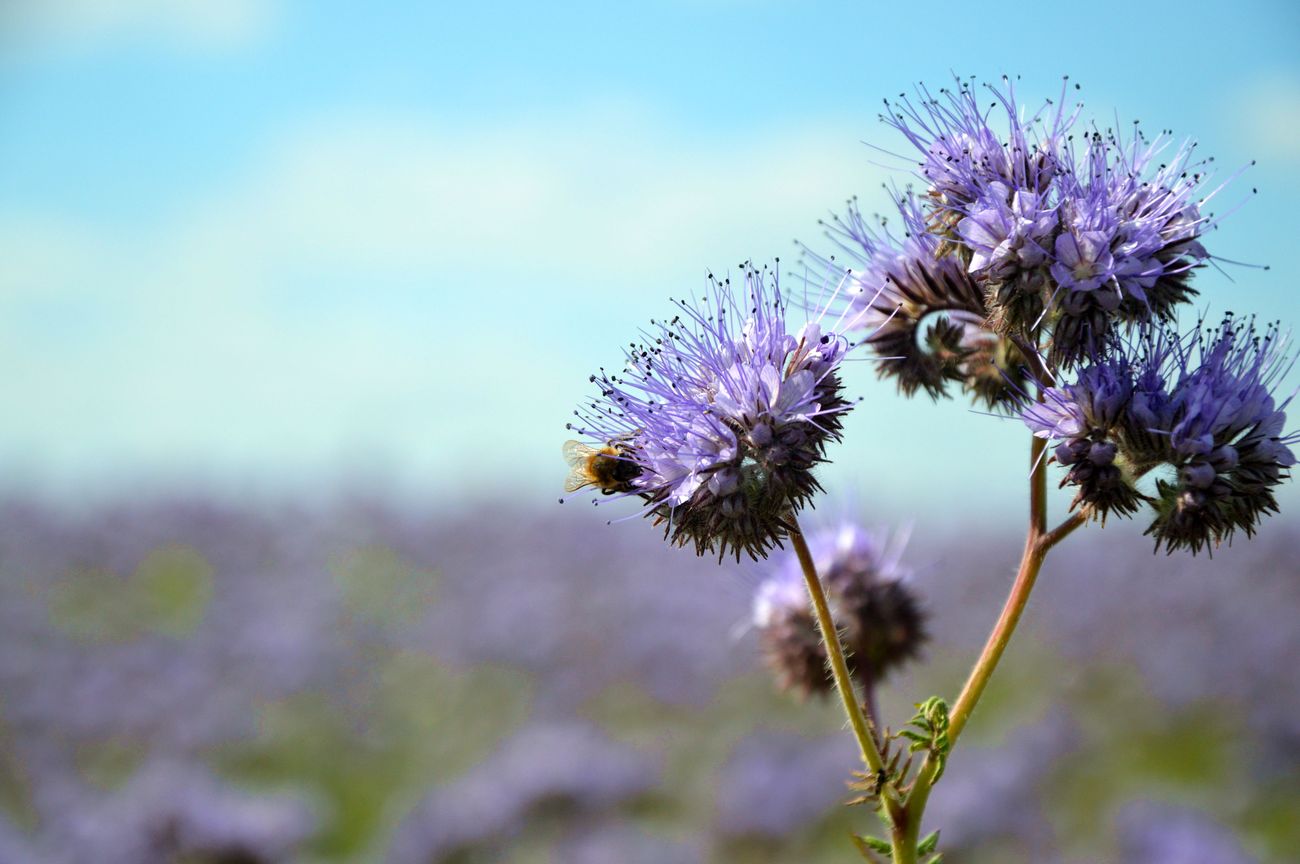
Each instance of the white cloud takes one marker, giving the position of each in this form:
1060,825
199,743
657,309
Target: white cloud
38,26
370,285
428,301
604,189
1269,113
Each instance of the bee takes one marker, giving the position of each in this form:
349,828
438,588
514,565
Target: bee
607,468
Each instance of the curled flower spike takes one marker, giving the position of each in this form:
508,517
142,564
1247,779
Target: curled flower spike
1062,242
1202,404
878,614
924,311
724,414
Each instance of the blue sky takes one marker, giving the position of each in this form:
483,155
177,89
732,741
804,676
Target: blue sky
261,244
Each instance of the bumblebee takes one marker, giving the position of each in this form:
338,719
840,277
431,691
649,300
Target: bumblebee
607,468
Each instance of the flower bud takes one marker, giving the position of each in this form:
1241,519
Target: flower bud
875,610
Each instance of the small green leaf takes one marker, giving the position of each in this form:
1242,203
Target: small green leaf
927,844
868,843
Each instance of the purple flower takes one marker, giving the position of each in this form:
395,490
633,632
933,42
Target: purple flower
1087,417
1008,232
1225,436
991,176
1129,238
1202,404
963,153
877,613
724,414
923,310
1083,262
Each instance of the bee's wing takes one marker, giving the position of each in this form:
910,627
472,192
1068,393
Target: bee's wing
575,481
575,453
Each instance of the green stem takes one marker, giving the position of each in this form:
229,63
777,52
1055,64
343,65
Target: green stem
835,651
1037,544
1037,486
1030,563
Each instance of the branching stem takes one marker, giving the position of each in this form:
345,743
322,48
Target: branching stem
906,830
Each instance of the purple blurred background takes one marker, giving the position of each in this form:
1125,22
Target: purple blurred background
295,299
188,681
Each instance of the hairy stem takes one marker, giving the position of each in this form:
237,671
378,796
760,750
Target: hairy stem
869,706
1060,532
1037,544
835,652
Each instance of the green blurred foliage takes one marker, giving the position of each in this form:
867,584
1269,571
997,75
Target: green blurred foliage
380,588
15,785
167,594
405,722
410,724
402,723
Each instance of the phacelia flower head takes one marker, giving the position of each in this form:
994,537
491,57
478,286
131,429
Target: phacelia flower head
991,194
990,171
923,310
1062,242
1226,436
876,611
964,151
1088,418
724,413
1198,409
1128,239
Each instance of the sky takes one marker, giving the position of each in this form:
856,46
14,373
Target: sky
272,246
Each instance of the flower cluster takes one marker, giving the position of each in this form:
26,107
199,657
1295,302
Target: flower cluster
723,414
1039,269
1088,417
924,309
1201,404
876,612
1127,245
1026,232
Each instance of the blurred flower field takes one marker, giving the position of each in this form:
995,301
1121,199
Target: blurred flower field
186,681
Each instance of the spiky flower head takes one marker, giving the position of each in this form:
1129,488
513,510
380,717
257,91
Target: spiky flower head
1128,240
875,610
724,413
788,634
991,171
1199,409
1087,418
923,309
1062,242
966,146
1226,437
